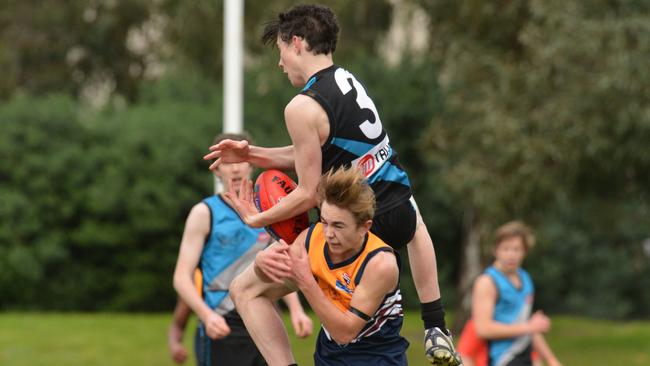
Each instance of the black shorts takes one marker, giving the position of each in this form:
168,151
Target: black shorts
237,349
396,227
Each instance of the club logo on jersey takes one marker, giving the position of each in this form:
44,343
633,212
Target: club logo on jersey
346,278
342,287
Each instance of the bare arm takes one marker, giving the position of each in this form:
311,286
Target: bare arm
379,278
302,116
175,333
544,350
197,228
272,157
484,298
231,151
305,120
301,323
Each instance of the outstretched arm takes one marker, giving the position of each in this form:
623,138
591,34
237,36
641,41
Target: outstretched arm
304,118
231,151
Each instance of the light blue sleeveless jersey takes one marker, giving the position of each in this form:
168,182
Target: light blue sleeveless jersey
513,306
230,248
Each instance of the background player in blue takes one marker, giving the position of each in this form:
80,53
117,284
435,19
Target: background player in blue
349,276
502,301
333,122
217,240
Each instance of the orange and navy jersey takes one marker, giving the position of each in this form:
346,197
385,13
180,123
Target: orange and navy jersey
339,280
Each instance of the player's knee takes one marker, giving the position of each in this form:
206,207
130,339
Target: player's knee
237,290
242,289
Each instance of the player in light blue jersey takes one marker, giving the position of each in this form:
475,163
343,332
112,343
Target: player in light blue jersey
218,242
502,302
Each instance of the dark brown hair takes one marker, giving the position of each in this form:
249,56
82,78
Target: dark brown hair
316,24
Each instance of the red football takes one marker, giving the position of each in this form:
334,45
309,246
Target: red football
270,187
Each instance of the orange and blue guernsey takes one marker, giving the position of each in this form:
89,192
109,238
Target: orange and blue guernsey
379,342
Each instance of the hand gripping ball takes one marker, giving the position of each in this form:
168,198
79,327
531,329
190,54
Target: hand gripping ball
270,187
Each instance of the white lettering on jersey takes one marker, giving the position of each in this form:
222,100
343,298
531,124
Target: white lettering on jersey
374,159
370,129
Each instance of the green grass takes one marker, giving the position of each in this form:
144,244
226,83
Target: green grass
54,339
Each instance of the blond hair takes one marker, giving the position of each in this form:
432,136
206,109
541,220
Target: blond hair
348,189
515,229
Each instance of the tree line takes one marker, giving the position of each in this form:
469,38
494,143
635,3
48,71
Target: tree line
536,110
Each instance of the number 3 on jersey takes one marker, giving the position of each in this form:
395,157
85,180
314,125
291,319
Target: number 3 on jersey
343,77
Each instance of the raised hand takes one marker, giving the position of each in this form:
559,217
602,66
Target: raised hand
228,151
242,202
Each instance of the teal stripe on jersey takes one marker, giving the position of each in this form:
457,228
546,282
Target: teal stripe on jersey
388,172
355,147
309,83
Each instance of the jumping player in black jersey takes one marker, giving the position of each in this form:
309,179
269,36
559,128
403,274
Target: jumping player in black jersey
333,122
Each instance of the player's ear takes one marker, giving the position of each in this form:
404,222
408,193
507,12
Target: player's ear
297,43
367,225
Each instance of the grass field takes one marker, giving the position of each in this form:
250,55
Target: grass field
34,339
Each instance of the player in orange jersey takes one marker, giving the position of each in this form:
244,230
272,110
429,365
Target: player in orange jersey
348,275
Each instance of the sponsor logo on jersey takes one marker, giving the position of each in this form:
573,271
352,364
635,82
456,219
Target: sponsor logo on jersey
367,164
370,162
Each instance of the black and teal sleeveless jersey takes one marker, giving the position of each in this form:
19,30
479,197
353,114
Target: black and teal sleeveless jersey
357,136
